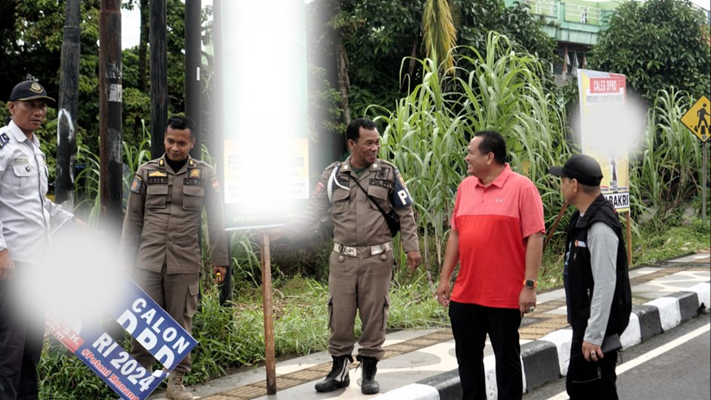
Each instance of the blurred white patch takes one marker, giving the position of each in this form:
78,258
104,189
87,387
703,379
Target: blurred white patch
612,129
79,279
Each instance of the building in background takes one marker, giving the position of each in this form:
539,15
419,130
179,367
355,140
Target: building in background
575,25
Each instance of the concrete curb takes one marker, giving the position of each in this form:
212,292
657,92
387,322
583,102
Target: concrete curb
546,359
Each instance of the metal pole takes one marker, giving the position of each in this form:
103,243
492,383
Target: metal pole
159,75
217,137
68,99
193,56
218,125
110,92
268,317
704,181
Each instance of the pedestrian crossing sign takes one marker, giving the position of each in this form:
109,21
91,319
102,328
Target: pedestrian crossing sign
698,119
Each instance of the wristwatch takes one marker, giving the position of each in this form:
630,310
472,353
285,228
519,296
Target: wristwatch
530,284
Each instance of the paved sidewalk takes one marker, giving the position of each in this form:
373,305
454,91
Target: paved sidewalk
422,364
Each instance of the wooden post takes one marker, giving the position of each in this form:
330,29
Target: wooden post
159,74
629,238
68,105
268,317
555,225
110,112
193,59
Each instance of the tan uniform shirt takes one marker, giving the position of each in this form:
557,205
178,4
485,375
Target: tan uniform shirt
357,221
163,217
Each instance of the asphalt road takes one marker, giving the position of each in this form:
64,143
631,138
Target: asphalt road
674,365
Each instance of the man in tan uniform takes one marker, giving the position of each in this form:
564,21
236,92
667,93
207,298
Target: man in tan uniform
362,258
160,235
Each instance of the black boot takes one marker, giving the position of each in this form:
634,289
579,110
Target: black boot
370,367
338,377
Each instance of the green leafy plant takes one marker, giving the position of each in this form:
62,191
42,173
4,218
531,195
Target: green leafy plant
427,132
666,170
657,44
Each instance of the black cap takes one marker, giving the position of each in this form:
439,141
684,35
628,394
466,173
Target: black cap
29,90
584,169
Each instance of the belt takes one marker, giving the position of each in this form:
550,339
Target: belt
363,251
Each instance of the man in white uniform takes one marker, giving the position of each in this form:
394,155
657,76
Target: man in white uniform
25,219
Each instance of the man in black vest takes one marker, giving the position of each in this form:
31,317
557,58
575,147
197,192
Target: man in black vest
596,281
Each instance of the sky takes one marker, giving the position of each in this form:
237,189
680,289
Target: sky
131,21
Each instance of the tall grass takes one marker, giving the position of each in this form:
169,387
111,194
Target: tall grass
427,132
667,169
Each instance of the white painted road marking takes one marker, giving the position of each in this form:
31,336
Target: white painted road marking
649,355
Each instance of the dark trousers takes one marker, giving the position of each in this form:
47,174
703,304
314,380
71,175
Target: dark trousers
470,325
589,380
21,336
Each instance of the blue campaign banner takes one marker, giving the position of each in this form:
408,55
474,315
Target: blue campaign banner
145,321
152,327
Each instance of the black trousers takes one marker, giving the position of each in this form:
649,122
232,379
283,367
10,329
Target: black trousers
21,336
470,325
590,380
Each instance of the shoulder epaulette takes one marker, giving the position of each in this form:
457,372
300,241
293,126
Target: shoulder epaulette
199,163
388,163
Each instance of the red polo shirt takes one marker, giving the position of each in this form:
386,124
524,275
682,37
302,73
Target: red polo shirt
492,223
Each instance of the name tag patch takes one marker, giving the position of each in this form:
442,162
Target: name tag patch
380,182
157,181
192,182
343,180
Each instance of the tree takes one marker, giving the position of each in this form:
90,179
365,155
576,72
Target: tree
439,32
30,47
657,44
378,35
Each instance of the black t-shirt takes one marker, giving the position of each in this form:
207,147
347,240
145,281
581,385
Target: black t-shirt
176,165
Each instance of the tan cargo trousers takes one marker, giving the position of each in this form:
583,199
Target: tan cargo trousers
175,293
363,285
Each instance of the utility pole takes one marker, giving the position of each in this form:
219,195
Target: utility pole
193,57
68,100
218,138
110,102
159,75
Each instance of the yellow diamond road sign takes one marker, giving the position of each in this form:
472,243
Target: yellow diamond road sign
698,119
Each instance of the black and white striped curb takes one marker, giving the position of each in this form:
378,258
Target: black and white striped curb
546,359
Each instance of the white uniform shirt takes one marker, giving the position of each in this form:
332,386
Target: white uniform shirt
25,213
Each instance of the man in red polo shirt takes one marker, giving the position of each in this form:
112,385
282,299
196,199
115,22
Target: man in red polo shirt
497,238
